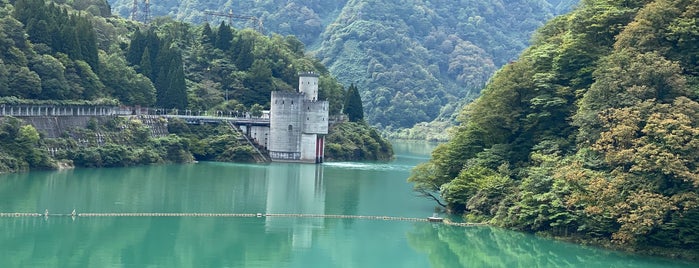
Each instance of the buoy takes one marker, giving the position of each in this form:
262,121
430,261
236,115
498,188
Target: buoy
435,219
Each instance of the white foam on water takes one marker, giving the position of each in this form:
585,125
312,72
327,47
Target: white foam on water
367,166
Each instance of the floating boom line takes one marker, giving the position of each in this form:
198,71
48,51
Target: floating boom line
233,215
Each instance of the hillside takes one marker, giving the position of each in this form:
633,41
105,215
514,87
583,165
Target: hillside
77,53
412,60
591,135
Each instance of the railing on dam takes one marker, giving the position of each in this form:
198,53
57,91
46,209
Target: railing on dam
86,110
235,120
237,117
54,110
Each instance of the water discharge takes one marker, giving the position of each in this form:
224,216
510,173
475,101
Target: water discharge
359,189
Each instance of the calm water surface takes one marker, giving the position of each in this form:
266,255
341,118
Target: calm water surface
332,188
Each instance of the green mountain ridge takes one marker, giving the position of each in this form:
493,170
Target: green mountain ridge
414,61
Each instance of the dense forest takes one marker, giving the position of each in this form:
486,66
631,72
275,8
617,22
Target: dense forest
77,53
54,52
592,134
413,61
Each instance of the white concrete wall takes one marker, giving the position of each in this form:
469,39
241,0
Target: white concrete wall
308,148
315,117
308,84
258,133
285,123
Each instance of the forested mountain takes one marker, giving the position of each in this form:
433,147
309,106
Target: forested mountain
412,60
51,51
77,53
592,134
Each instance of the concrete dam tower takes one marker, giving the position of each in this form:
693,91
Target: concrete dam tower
298,123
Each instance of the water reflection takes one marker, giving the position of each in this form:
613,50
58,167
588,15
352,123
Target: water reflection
205,187
140,242
296,188
449,246
248,242
413,149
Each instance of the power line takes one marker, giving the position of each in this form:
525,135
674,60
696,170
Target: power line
258,22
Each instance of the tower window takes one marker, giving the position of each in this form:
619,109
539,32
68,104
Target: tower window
291,127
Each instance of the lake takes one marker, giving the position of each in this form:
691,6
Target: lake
372,189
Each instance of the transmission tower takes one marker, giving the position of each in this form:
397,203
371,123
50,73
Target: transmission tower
145,18
146,12
258,22
134,10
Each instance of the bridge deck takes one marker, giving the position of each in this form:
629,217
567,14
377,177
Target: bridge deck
234,120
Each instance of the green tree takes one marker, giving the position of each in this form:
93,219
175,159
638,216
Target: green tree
242,52
207,35
256,110
205,95
258,84
20,147
657,78
23,82
40,32
171,91
137,46
83,82
667,27
353,105
53,81
122,81
4,80
224,37
331,90
356,141
145,66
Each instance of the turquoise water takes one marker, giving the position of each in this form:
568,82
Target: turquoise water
332,188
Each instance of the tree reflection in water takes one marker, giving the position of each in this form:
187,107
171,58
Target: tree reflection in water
452,246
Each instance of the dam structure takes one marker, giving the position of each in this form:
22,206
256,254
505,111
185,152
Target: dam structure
294,130
298,123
